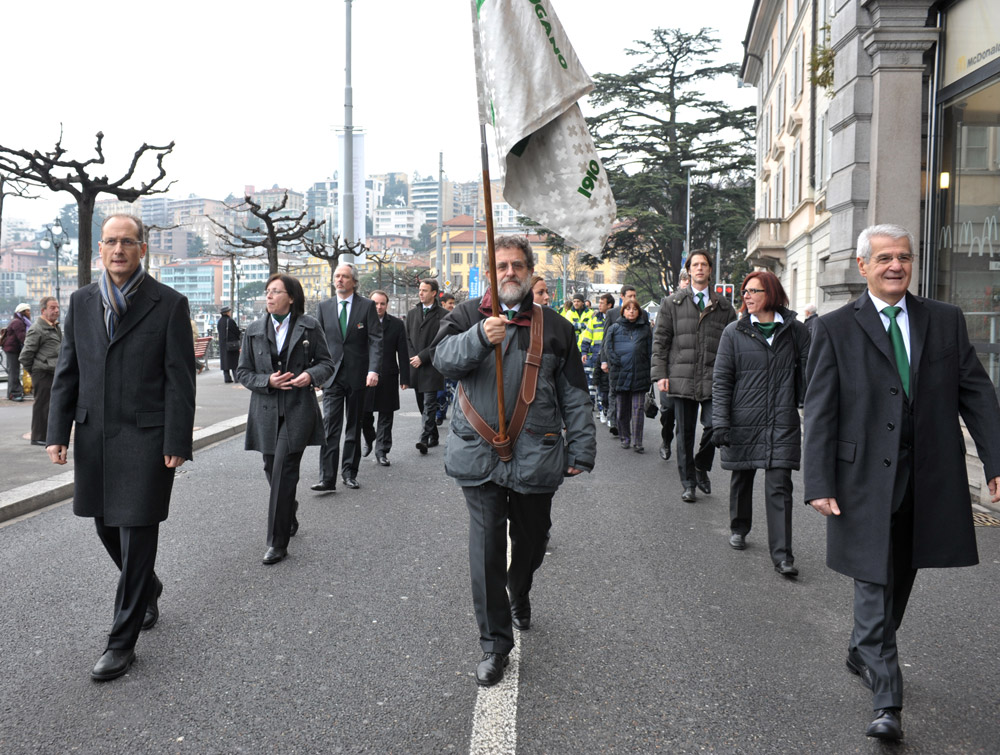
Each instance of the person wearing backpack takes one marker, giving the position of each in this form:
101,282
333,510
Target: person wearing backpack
13,342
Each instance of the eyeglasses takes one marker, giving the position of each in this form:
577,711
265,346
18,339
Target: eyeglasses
274,292
502,267
125,243
746,291
886,259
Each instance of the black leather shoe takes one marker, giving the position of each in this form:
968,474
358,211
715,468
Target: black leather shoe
366,449
382,461
490,669
433,442
295,526
351,483
704,484
112,664
888,724
786,569
665,452
274,555
520,614
688,495
737,541
421,447
324,487
857,666
613,431
152,609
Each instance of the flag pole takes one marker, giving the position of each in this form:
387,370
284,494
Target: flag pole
491,256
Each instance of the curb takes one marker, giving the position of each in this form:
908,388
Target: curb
37,495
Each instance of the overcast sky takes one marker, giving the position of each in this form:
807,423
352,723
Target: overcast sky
252,92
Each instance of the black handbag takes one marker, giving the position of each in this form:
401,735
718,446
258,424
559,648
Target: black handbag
649,404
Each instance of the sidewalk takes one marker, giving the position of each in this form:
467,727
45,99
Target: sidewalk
30,481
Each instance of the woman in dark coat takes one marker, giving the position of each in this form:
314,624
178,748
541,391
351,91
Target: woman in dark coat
628,345
755,411
229,344
284,357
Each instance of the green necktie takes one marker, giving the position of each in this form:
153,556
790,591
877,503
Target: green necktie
701,301
343,319
767,328
510,313
898,347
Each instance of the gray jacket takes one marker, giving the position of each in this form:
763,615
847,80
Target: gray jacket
41,347
559,429
686,340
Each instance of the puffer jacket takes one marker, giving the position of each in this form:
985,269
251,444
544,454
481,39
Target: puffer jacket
686,340
41,347
543,450
628,350
754,394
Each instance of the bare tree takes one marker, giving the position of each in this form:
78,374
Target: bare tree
332,252
275,232
12,187
74,177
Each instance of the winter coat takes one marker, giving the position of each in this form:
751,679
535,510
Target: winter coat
685,341
421,330
629,347
753,394
542,451
16,332
395,371
41,347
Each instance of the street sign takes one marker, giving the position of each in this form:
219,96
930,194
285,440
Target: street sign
474,282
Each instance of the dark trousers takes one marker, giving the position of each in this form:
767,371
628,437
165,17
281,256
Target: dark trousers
427,403
380,436
14,388
667,416
603,384
41,385
777,506
490,508
630,416
339,399
282,471
687,417
133,549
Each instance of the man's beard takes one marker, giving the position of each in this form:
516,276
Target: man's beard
511,295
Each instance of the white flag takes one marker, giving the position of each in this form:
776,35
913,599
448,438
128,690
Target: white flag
529,81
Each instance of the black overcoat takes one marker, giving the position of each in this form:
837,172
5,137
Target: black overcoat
853,407
384,397
132,399
229,342
421,331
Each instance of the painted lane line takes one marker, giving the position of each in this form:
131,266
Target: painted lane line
494,721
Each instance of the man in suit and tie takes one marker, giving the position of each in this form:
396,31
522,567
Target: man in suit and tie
354,336
422,323
889,375
126,378
384,398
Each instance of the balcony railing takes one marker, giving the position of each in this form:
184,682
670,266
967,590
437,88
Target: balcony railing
766,239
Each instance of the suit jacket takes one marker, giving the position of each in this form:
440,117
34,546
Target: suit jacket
395,367
305,351
420,334
361,351
132,399
853,410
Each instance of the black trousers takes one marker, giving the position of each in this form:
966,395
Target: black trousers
686,410
777,506
380,436
14,387
340,399
427,403
133,549
282,471
41,386
490,508
667,418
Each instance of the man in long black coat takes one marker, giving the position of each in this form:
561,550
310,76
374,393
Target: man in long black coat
354,336
422,323
126,378
229,344
884,454
384,397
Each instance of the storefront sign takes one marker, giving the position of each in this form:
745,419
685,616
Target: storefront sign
972,38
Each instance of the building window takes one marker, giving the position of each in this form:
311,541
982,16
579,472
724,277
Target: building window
456,258
598,276
794,180
470,257
782,28
779,191
797,68
780,104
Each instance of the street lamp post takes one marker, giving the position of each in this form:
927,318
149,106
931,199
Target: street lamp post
57,239
687,233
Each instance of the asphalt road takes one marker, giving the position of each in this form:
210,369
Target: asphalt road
649,634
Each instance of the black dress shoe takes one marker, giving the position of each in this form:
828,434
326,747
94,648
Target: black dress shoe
381,460
421,447
112,664
433,442
366,449
613,431
490,669
38,442
857,666
351,483
786,569
520,614
665,452
704,484
888,724
295,526
152,608
274,555
738,541
324,487
688,495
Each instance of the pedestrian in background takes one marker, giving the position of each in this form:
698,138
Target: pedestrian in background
627,292
629,343
422,324
668,415
540,290
39,357
229,344
755,411
590,350
810,313
284,356
446,394
13,342
393,377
